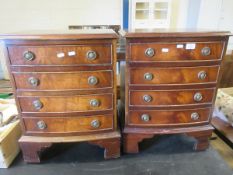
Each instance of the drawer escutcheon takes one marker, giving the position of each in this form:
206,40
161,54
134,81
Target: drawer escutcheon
197,97
205,51
91,55
37,104
41,125
147,98
145,117
33,81
95,103
194,116
95,123
150,52
148,76
29,56
202,75
92,80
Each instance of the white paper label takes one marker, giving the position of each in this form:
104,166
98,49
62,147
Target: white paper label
165,49
179,46
190,46
60,55
71,53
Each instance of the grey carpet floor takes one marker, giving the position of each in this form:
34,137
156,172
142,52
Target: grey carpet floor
164,155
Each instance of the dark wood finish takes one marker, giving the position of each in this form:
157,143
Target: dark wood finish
62,92
178,58
137,52
67,124
47,55
227,72
111,147
168,117
52,80
171,97
132,137
173,75
202,139
58,68
173,33
131,141
60,86
66,103
57,35
167,130
32,151
32,146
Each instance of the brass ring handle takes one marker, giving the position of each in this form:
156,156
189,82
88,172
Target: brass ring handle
205,51
197,97
29,56
94,103
37,104
202,75
91,55
194,116
145,117
147,98
92,80
95,123
41,125
33,81
150,52
148,76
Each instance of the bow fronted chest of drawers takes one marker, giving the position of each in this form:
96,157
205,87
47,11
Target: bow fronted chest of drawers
65,88
170,84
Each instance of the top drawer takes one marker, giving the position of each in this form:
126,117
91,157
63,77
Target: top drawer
60,54
198,51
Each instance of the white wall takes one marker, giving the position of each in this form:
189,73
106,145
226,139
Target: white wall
193,11
209,14
182,11
16,15
226,19
21,15
217,15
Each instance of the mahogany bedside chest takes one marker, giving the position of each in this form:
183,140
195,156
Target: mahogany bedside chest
65,88
170,84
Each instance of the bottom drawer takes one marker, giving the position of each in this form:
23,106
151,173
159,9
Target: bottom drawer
168,117
68,124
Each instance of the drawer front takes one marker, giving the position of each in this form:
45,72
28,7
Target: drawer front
63,80
148,52
171,97
174,75
60,55
79,103
68,124
168,117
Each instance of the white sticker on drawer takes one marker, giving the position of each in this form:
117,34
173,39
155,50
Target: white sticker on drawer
60,55
71,53
190,46
179,46
165,49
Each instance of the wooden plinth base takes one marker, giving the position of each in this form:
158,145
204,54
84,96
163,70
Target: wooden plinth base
132,137
32,146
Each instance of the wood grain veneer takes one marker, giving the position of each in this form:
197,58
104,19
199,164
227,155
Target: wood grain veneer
65,86
166,66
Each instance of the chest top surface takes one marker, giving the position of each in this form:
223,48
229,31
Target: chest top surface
60,34
150,33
